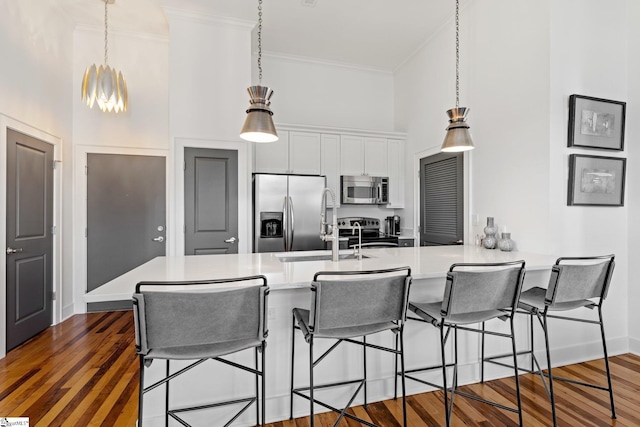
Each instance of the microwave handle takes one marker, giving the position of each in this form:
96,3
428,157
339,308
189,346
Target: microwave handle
379,192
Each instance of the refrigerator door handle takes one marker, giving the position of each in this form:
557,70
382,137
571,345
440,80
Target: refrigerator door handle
285,223
293,223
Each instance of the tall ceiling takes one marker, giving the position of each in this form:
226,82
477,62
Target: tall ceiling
377,34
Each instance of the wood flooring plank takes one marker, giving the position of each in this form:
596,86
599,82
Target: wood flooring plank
84,372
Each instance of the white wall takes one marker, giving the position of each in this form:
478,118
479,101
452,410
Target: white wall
589,56
519,63
633,170
142,130
326,94
35,90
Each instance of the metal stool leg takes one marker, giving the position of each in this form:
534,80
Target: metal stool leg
444,375
364,356
311,414
404,390
482,354
395,371
166,398
551,395
606,363
264,383
293,348
141,391
515,369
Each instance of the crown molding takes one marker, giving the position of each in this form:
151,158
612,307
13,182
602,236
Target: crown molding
207,18
341,131
164,38
318,61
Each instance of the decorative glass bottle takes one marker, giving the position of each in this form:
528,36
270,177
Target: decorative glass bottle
505,243
490,241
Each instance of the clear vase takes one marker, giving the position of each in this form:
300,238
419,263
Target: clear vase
505,243
490,240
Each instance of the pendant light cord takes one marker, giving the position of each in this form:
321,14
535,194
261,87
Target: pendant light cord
457,53
106,55
260,41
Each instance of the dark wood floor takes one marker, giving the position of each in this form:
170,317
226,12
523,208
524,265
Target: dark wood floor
84,372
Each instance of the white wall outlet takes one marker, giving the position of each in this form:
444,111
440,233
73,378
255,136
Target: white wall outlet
475,219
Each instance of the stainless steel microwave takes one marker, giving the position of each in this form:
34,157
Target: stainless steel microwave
364,190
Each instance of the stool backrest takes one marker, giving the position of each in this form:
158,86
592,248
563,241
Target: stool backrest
482,287
190,317
359,302
579,278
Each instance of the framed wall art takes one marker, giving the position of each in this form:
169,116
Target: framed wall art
596,123
596,180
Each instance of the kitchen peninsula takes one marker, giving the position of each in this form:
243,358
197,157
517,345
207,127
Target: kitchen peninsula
289,279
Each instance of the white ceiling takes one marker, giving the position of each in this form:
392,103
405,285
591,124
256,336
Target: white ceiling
378,34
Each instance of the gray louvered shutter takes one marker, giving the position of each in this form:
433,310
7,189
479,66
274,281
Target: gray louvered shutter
441,209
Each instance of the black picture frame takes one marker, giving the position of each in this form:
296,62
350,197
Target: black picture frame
596,180
596,123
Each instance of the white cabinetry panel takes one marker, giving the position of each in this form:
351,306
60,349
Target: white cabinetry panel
330,163
272,157
395,150
375,157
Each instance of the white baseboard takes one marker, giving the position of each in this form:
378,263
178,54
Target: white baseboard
634,346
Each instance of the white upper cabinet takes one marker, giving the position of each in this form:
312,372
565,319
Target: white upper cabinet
363,156
294,152
330,164
272,157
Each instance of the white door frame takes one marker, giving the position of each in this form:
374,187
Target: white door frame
466,196
80,210
7,122
176,229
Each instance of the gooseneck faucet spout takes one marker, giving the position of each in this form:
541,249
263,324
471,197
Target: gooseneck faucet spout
333,236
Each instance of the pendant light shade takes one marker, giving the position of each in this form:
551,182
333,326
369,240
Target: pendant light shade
458,137
104,85
258,126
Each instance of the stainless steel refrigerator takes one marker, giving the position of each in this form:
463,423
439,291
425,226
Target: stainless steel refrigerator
286,212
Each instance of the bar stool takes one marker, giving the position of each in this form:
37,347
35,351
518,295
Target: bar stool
474,293
343,309
575,282
201,320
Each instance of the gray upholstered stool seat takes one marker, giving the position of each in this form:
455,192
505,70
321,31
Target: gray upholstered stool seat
575,282
200,321
344,308
474,293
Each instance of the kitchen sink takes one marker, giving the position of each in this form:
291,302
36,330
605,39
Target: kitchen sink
322,257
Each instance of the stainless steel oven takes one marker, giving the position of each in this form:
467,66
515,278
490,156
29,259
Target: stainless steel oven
364,190
370,233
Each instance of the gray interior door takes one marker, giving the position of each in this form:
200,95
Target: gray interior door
126,214
441,196
211,201
29,237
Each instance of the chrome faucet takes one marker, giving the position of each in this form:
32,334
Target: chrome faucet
333,236
357,250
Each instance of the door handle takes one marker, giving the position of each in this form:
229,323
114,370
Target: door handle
292,220
231,240
13,251
158,239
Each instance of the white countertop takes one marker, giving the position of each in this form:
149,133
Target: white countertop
425,262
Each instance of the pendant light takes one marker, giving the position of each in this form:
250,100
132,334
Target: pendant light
258,126
102,85
458,137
